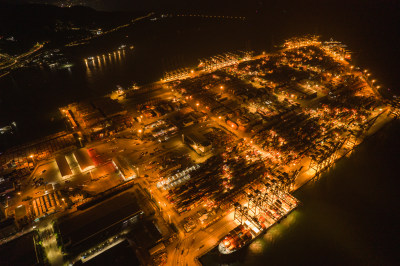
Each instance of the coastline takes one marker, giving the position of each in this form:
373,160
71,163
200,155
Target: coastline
372,131
383,123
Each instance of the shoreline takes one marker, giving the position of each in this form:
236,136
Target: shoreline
368,135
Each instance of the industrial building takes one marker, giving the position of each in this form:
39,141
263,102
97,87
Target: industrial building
46,204
197,142
20,251
120,254
83,159
63,166
87,228
124,167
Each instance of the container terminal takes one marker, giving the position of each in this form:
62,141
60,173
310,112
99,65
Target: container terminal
207,157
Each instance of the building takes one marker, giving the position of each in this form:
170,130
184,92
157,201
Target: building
46,204
8,228
87,228
6,186
83,159
109,108
63,166
197,142
124,167
156,249
120,254
20,251
146,234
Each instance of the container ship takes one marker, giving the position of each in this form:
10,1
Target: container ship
253,226
235,240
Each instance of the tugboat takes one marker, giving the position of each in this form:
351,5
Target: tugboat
235,240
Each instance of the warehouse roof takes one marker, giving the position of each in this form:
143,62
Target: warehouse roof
63,165
83,159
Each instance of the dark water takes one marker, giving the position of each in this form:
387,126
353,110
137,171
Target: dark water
30,97
348,217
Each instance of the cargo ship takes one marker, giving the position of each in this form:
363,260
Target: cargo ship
252,227
235,240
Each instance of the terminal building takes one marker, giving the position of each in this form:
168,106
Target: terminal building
124,167
86,229
197,142
20,251
120,254
83,159
63,166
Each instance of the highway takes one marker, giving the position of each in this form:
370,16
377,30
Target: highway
10,62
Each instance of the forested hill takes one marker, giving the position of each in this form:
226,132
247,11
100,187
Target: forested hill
31,23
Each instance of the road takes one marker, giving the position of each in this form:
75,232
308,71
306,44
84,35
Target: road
13,61
49,243
200,241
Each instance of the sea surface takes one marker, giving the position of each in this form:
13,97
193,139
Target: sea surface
30,97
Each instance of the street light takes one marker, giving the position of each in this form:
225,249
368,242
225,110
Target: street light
33,158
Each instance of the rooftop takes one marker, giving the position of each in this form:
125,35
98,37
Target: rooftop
121,254
87,224
20,251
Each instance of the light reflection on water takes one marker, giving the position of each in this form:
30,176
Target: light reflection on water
104,63
262,243
258,247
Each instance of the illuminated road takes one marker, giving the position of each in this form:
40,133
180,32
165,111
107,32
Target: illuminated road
17,61
195,244
49,243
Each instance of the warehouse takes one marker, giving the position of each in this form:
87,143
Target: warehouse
198,142
83,159
124,167
94,225
63,166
